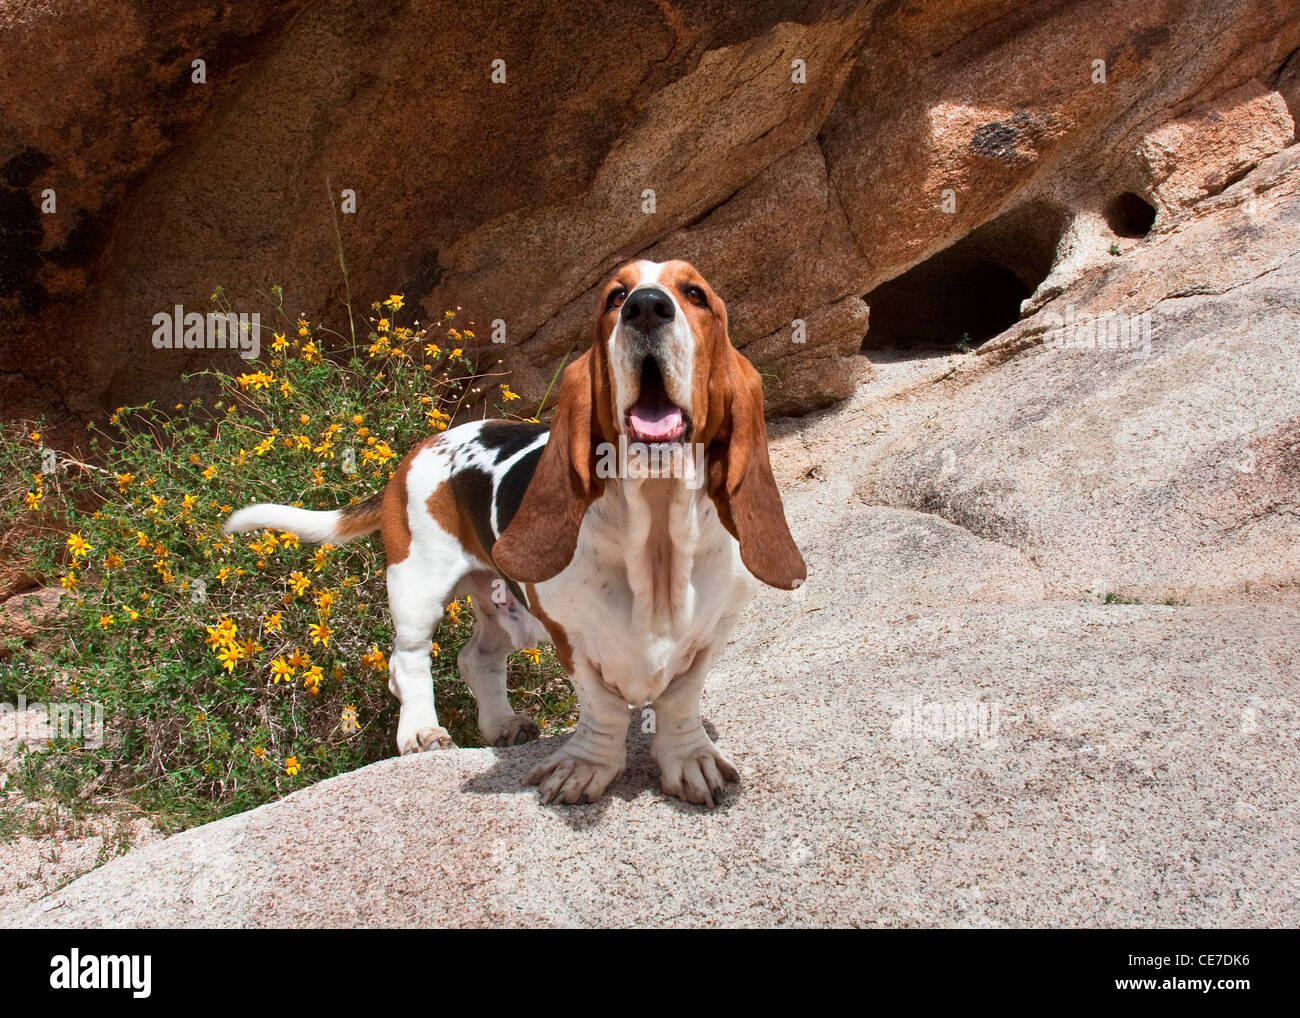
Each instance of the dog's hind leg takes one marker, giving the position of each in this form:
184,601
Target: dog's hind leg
501,625
416,597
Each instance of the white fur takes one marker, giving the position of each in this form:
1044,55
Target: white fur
307,524
648,601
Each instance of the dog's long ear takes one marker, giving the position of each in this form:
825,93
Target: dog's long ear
540,540
741,483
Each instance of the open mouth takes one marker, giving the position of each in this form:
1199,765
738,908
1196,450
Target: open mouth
654,418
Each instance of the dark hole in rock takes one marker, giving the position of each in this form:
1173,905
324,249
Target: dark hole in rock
969,292
1128,215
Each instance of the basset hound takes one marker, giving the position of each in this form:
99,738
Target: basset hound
629,533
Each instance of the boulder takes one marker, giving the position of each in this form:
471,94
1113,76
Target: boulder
1137,435
805,154
1198,155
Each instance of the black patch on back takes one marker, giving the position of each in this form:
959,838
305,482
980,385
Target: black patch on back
506,438
473,490
472,486
510,492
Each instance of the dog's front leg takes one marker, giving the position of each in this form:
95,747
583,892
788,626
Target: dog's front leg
691,767
596,752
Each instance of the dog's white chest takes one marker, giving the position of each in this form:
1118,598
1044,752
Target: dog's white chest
640,602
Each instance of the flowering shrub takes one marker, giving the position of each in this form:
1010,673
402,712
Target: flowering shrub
235,669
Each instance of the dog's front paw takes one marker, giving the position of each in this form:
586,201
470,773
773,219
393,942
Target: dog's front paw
570,777
517,730
420,733
694,769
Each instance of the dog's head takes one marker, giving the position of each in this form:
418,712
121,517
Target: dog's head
661,373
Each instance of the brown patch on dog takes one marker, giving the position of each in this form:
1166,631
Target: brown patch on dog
393,524
448,513
742,486
563,648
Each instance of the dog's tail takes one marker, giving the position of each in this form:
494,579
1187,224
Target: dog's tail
337,526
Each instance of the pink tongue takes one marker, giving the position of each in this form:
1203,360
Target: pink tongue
656,423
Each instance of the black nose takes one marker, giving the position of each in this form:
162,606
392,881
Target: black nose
648,308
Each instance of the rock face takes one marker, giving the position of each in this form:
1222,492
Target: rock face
802,154
1198,155
1138,434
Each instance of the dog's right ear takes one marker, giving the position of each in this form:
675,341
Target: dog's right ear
741,483
541,538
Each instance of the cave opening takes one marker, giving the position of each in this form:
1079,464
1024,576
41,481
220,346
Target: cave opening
1129,215
968,292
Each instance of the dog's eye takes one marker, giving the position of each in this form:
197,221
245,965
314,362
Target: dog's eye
696,296
616,298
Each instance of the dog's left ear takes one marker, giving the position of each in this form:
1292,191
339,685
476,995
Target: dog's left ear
541,538
741,483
